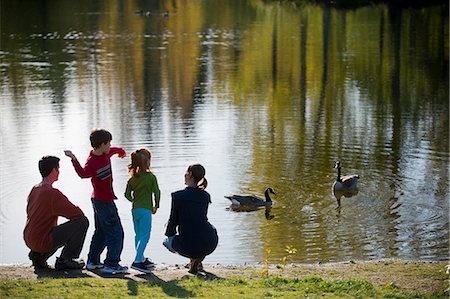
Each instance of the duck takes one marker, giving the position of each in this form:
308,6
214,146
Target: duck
252,200
344,185
140,12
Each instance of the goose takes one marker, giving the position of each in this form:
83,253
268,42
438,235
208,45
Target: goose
140,12
252,200
344,186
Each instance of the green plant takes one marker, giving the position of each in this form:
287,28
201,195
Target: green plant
265,271
284,260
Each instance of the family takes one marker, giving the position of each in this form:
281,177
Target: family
188,231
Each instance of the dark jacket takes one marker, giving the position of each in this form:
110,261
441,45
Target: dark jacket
196,236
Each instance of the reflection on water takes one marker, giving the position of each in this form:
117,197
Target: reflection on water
262,95
267,209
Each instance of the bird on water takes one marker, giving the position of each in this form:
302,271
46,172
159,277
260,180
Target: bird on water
346,186
252,200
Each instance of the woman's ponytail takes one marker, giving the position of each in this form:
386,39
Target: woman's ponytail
203,183
198,173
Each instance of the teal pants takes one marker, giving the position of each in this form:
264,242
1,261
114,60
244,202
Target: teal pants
142,221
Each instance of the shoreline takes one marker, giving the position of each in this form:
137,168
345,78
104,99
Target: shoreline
413,275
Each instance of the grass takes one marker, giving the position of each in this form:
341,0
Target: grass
377,279
198,287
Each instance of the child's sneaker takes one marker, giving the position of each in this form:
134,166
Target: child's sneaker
148,263
141,267
94,266
68,264
114,269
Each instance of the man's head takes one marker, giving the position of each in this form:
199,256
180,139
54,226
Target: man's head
47,164
99,137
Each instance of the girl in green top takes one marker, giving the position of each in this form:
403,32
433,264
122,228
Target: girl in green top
143,191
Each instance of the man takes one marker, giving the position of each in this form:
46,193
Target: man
42,233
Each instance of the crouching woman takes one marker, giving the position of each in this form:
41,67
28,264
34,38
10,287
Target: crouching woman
196,237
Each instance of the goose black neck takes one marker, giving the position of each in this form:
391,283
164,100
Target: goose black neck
266,194
338,175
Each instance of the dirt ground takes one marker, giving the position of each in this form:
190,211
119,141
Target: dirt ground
422,276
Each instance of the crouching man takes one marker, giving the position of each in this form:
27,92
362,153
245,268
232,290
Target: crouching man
42,233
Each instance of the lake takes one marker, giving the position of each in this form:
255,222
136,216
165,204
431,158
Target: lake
262,94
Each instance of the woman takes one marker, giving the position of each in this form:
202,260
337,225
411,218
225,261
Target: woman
196,237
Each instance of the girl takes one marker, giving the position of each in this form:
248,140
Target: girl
196,237
143,191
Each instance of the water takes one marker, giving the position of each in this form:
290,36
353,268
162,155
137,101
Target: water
260,94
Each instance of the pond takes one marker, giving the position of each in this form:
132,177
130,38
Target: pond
262,94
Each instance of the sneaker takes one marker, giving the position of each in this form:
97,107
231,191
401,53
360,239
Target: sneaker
140,267
114,269
148,263
94,266
38,260
67,264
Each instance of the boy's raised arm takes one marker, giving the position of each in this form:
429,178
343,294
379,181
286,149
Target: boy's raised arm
69,154
117,150
82,172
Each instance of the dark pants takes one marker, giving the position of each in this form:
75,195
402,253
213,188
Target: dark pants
197,246
108,233
70,236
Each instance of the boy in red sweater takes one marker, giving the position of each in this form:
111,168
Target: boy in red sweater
42,234
108,228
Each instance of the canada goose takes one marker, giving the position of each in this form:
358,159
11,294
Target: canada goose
252,200
344,186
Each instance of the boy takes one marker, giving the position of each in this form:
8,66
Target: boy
108,228
42,234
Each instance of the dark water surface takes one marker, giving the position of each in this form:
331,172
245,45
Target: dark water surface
260,94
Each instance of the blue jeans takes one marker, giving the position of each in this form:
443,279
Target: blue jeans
108,233
168,243
142,221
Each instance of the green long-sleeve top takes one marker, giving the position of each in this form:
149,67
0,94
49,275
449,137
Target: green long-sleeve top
143,191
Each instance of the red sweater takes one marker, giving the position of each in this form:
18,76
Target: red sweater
45,204
98,168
